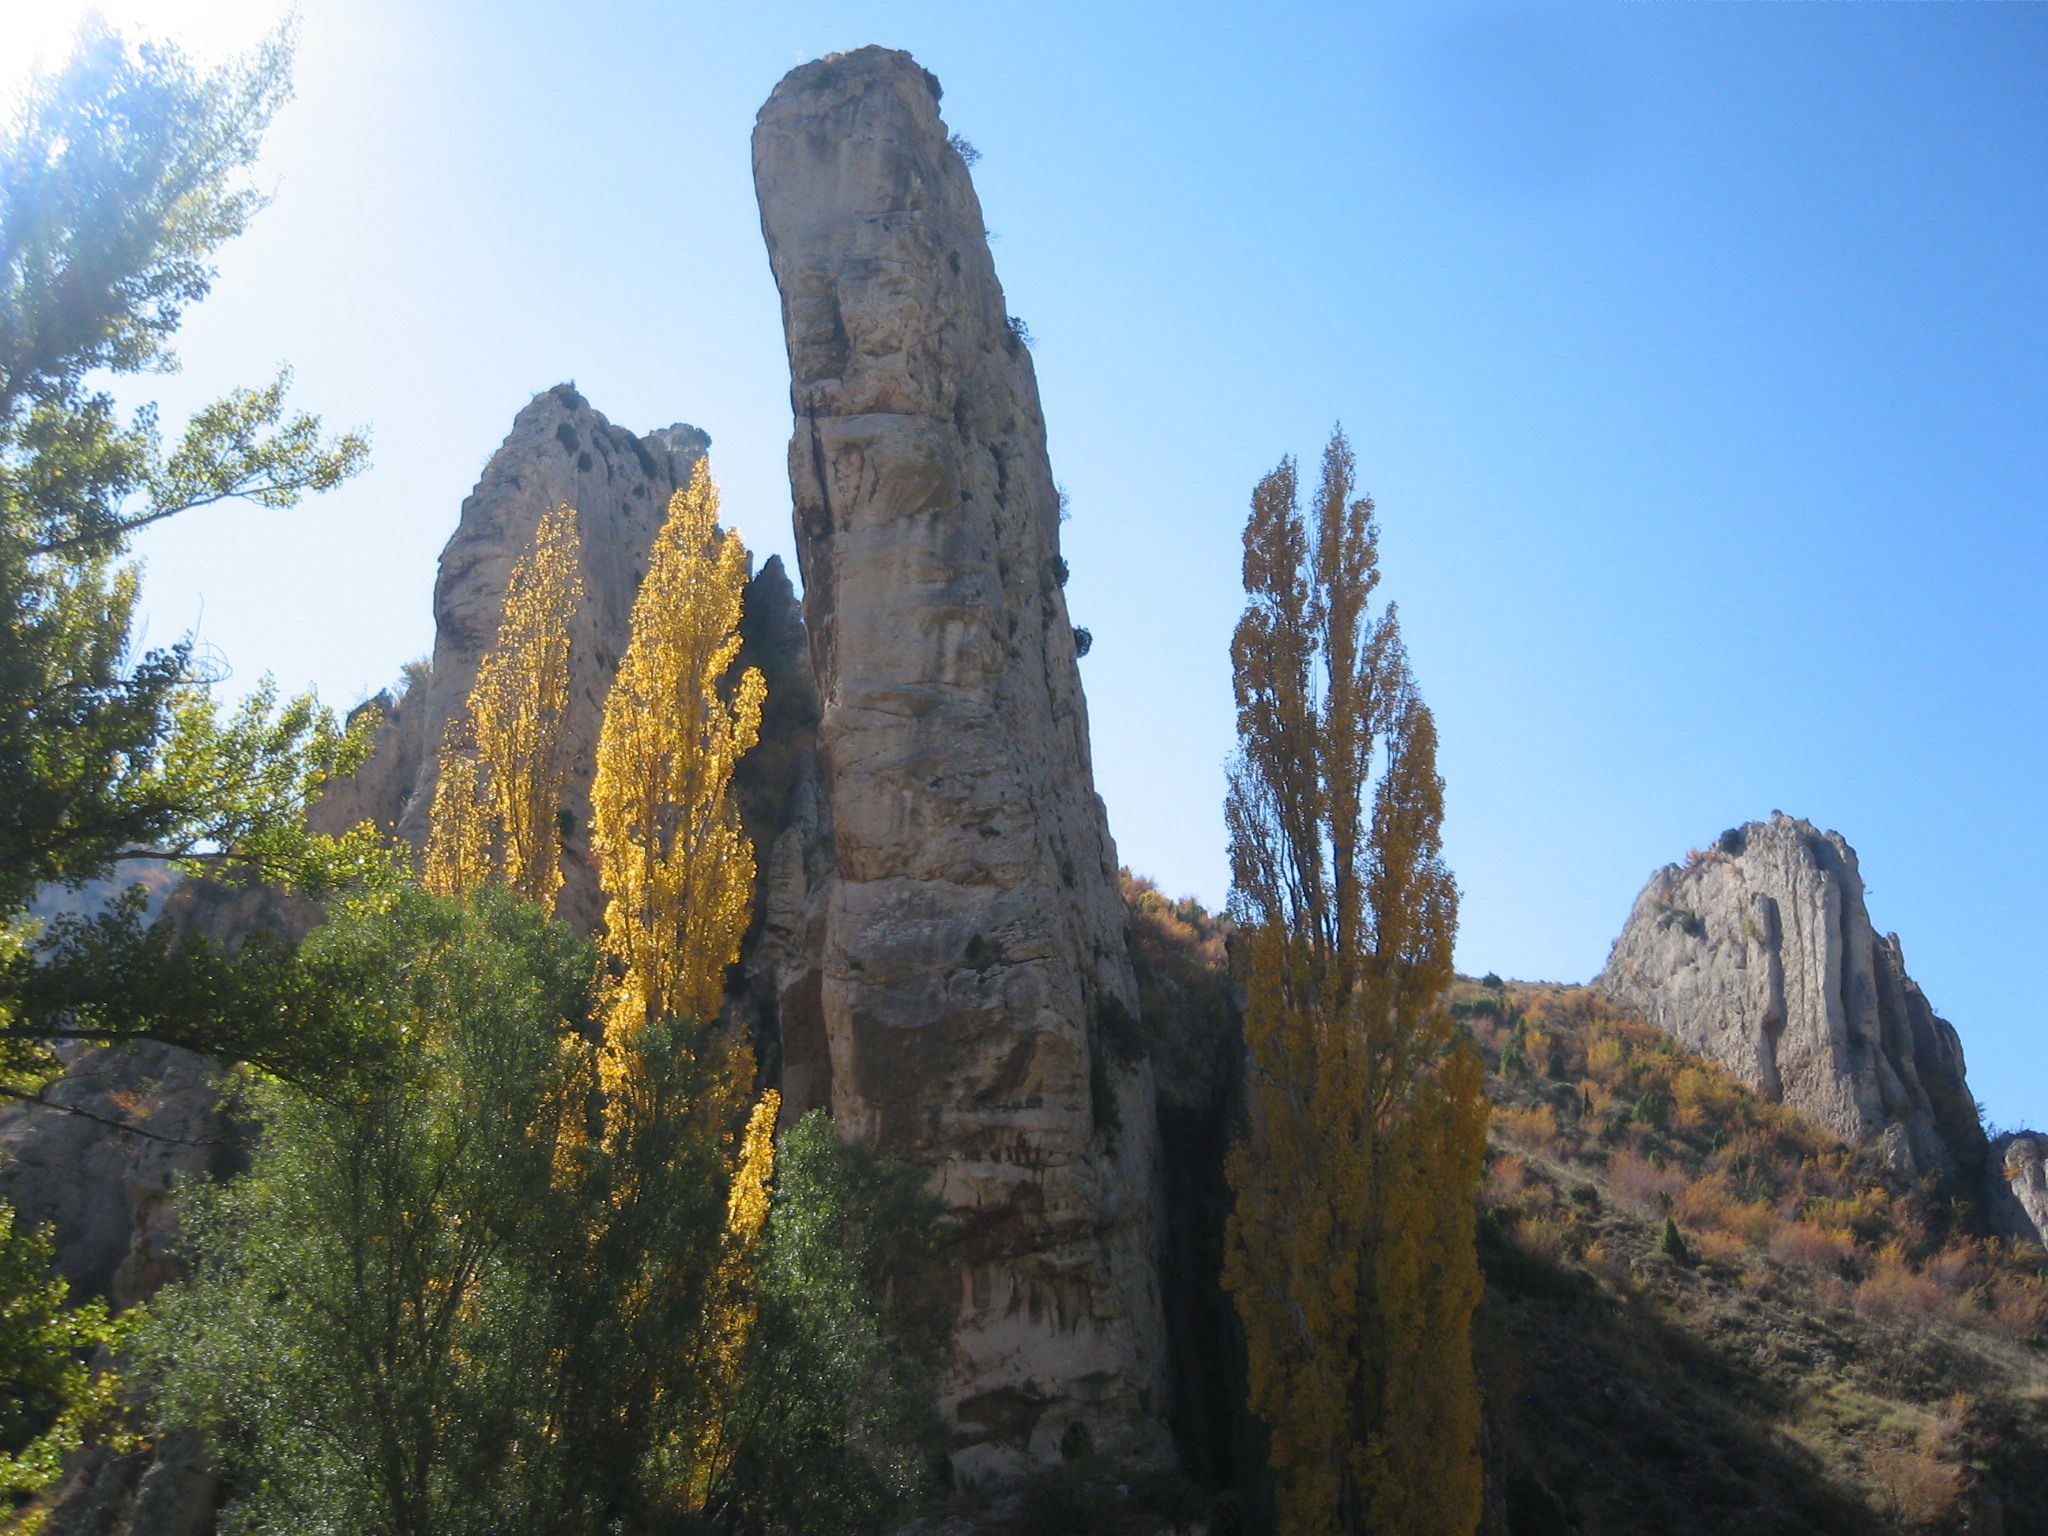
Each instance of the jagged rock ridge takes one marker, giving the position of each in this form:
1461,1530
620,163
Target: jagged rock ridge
1760,953
974,966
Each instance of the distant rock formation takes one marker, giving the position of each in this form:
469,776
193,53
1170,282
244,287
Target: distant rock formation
1760,954
975,979
2016,1174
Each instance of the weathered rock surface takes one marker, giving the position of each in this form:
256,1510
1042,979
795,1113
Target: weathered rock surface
105,1192
1760,954
2016,1177
974,965
105,1182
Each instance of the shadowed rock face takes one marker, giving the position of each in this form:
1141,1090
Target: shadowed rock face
973,947
1760,954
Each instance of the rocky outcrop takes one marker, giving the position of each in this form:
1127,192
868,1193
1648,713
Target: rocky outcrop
102,1178
1760,954
773,994
2016,1176
975,979
105,1180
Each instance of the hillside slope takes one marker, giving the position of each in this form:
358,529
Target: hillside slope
1706,1314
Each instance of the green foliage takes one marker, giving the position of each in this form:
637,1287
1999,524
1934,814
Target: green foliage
436,1304
358,1332
1671,1242
50,1396
117,183
837,1421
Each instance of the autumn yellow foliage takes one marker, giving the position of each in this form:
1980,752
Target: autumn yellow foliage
676,868
1351,1252
498,794
677,873
735,1303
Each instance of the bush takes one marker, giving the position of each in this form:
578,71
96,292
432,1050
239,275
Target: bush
1894,1291
1671,1243
1812,1247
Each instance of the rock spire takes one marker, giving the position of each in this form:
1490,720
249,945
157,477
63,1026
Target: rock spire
976,990
1759,953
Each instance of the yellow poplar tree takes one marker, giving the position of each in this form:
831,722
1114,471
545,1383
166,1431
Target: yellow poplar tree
678,874
735,1305
498,792
676,867
1350,1252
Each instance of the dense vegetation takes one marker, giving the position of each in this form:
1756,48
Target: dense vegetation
117,183
523,1269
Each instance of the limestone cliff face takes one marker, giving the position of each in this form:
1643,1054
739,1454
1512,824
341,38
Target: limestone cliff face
974,965
106,1193
109,1199
1760,954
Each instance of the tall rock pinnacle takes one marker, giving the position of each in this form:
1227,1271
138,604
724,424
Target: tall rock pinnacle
976,991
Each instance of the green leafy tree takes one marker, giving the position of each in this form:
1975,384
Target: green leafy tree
50,1397
388,1331
1350,1253
834,1422
365,1333
118,181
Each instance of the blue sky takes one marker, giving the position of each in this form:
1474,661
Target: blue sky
1697,355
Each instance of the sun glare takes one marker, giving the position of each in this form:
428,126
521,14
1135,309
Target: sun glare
38,33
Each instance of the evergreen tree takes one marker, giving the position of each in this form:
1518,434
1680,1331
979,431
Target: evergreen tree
1350,1252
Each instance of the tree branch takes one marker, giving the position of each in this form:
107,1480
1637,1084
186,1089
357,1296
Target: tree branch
121,529
120,1125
